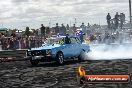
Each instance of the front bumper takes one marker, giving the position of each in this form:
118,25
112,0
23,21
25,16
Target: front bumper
41,58
37,57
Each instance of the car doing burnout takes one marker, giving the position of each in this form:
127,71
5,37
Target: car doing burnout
58,49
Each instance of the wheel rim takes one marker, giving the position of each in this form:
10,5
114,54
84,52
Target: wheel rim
60,58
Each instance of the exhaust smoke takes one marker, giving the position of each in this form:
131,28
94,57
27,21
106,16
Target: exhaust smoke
110,52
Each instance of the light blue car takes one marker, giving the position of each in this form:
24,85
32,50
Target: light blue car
58,49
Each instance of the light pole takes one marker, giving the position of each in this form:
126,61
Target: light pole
130,11
75,21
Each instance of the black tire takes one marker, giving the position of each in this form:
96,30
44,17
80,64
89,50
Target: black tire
0,61
81,56
34,62
60,58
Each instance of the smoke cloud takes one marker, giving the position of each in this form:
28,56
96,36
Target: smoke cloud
110,52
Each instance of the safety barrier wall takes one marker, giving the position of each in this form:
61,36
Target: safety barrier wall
16,54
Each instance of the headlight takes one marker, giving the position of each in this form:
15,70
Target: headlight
28,53
48,52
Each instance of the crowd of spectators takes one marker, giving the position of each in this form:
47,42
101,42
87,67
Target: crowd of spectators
11,41
117,22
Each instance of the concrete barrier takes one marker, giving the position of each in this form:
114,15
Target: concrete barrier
14,54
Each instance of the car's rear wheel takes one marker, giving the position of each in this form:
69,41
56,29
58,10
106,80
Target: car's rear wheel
81,57
34,62
60,58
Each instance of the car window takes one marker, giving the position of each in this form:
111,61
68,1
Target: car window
73,40
62,41
78,40
67,40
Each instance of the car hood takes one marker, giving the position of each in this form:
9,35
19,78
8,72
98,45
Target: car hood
46,46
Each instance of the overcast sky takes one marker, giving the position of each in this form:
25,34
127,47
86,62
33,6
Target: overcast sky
32,13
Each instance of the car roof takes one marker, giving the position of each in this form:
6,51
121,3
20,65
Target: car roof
57,37
73,36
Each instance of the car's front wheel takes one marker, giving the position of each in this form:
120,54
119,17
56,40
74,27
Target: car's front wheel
34,62
60,58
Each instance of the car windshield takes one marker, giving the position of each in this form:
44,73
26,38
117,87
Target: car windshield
55,41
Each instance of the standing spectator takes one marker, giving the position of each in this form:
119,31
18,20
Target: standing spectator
6,44
116,20
33,43
2,41
108,18
122,19
88,29
27,31
47,31
83,27
88,26
57,28
62,30
99,39
74,28
42,30
113,24
22,41
67,27
36,32
27,43
11,43
19,42
16,43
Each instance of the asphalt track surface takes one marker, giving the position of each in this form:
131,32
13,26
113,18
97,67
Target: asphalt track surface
20,74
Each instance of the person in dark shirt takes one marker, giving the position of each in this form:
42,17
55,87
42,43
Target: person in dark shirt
116,20
108,18
62,30
74,28
67,27
11,43
122,20
83,27
57,28
42,30
67,39
16,43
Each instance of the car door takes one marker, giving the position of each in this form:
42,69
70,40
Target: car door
79,46
74,47
65,48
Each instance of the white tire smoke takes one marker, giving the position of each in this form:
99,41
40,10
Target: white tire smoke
110,52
